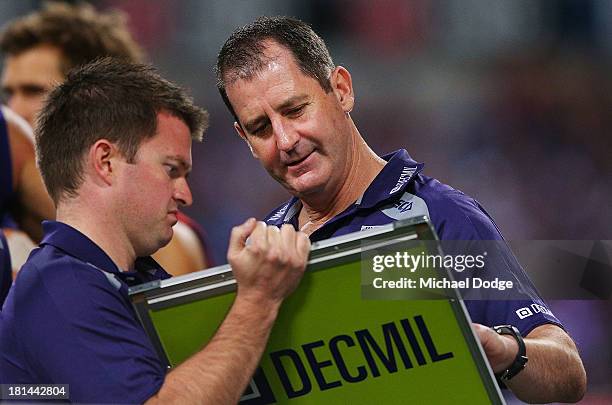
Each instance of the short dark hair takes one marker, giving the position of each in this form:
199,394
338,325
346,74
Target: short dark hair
107,99
81,33
242,55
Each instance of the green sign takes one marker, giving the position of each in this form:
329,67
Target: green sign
329,345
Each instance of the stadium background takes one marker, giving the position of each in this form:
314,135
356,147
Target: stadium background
508,101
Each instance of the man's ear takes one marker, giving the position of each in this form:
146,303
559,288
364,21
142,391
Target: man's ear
342,86
103,160
242,134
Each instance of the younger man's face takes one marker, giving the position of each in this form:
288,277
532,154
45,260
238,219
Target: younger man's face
28,77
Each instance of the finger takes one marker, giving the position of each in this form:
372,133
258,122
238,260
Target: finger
487,336
274,237
259,238
239,236
288,237
481,332
302,244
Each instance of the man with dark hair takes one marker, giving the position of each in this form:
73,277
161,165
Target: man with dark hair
132,100
292,107
114,148
42,47
52,41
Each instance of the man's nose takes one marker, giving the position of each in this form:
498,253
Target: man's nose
286,136
182,192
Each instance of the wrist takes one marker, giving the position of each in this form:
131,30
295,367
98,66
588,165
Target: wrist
264,309
511,350
517,351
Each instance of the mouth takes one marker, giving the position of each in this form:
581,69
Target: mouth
299,161
173,217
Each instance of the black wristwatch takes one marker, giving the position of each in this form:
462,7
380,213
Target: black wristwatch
521,357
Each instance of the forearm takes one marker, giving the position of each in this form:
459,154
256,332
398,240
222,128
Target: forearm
267,270
220,372
554,371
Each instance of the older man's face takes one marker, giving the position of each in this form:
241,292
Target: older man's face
28,77
297,131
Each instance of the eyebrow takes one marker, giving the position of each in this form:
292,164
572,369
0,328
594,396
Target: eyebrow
178,159
24,87
255,122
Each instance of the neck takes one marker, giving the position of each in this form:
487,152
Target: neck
362,167
99,226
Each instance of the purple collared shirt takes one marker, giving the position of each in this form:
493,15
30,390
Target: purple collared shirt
401,191
68,320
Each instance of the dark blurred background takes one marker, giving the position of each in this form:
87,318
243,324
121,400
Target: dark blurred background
508,100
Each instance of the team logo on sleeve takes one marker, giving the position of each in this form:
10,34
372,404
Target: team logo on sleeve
526,312
408,206
537,308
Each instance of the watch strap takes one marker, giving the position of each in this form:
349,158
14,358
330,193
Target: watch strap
521,359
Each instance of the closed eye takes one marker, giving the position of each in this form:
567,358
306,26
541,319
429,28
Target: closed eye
173,171
33,90
260,130
296,112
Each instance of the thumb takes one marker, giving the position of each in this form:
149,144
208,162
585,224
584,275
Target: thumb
482,332
239,236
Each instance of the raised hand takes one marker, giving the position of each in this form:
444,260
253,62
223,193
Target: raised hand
270,265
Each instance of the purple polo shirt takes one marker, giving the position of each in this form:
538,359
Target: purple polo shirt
68,320
401,191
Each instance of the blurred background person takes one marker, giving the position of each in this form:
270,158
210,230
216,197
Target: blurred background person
24,201
42,47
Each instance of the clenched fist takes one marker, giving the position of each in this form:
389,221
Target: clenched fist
270,266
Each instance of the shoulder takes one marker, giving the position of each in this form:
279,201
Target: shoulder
71,322
454,214
53,281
